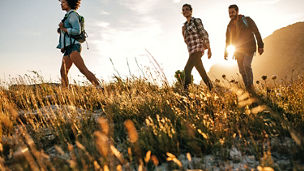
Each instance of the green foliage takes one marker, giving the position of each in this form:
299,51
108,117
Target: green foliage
180,78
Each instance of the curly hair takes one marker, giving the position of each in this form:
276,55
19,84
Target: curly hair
73,4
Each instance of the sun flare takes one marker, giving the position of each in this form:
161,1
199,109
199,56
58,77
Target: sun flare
230,50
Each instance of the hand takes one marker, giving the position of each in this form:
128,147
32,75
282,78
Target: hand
62,27
209,53
226,55
261,51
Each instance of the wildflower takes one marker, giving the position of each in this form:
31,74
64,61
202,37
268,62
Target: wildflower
148,155
154,160
131,131
264,77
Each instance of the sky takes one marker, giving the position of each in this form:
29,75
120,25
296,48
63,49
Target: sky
126,37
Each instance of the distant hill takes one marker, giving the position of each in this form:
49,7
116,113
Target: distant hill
284,53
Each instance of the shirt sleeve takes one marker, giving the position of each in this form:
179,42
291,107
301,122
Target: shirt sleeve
202,31
256,32
74,21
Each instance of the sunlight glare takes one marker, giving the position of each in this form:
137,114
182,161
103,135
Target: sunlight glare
230,50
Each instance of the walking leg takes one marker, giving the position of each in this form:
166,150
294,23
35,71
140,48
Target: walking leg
188,68
201,70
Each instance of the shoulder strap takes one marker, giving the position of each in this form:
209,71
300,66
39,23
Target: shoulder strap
196,26
245,21
195,23
66,34
67,15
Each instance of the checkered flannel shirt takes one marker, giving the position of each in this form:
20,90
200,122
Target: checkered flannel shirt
195,35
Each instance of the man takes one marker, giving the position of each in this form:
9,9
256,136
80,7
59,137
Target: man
242,33
196,38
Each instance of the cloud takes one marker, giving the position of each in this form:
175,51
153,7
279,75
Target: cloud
140,6
117,41
103,24
268,1
176,1
130,29
102,12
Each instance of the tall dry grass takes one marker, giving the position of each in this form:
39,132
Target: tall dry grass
135,124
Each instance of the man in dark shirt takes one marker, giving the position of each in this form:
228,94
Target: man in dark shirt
243,33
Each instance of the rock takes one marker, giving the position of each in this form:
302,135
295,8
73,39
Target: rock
235,154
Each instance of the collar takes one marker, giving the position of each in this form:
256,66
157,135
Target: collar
71,10
239,18
192,18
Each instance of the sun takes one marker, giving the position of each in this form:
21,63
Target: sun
230,50
230,60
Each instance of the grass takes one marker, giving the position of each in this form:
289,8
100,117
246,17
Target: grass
136,124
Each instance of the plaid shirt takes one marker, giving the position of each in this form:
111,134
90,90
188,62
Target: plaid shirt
195,35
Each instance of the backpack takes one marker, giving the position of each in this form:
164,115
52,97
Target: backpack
199,33
83,35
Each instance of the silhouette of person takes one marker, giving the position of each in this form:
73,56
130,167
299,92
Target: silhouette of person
242,33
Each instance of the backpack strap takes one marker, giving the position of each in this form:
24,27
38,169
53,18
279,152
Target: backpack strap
196,26
245,21
66,34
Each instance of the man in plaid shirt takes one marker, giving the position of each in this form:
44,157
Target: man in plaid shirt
197,40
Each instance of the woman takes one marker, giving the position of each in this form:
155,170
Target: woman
71,48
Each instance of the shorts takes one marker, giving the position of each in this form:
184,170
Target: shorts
72,48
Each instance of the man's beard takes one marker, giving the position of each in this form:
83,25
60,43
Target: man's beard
233,17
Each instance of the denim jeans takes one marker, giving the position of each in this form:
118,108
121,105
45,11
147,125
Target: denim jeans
196,61
244,63
71,48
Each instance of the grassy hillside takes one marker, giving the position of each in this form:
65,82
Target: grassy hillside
133,124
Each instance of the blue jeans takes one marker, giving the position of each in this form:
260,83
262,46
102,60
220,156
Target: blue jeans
244,63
